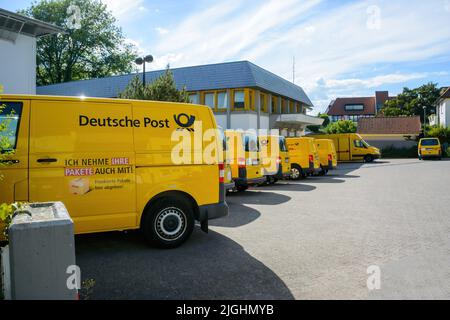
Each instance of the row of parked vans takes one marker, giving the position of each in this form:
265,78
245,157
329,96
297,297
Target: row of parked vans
128,164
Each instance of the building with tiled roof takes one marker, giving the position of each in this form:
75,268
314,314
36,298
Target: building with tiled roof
355,108
241,94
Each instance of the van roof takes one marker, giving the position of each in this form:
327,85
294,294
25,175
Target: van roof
81,98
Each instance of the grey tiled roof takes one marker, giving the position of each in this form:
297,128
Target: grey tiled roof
237,74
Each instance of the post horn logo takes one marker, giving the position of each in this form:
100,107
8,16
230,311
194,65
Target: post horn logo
184,121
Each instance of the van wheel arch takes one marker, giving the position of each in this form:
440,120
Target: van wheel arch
180,195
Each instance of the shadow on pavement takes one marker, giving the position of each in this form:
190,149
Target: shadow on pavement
239,215
207,266
257,197
288,186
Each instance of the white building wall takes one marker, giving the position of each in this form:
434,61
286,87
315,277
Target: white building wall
244,121
18,65
444,113
221,120
264,122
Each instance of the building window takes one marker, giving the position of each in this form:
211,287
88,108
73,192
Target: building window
354,107
274,104
263,102
209,99
222,100
193,98
239,99
251,100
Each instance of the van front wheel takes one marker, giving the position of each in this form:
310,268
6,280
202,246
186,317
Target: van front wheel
168,223
368,158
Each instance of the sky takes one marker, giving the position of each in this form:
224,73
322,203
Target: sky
341,48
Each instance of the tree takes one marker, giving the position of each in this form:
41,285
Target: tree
342,126
317,129
92,47
411,102
162,89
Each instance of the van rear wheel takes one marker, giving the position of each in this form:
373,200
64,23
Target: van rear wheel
296,172
168,223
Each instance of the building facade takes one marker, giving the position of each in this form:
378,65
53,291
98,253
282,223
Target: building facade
443,108
18,51
241,94
356,108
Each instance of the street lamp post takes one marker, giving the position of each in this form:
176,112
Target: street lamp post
139,61
424,115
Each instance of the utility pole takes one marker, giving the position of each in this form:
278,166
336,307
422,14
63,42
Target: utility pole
293,69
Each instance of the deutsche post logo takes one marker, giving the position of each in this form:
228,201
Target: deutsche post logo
184,121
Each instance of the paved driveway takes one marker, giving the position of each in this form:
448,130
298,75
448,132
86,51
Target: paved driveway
312,239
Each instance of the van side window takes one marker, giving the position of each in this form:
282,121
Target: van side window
9,125
358,144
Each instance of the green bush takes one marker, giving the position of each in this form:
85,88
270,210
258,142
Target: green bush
392,152
443,134
342,126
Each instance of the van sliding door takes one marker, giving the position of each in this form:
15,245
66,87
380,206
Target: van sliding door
81,153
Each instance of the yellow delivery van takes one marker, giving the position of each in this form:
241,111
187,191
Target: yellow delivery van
228,177
304,157
351,147
274,157
327,155
243,152
116,164
430,148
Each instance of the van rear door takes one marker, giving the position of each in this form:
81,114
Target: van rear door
81,153
14,141
344,148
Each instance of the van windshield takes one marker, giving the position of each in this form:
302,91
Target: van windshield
282,142
430,142
251,143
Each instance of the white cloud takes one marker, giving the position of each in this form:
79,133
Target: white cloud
161,30
125,10
332,43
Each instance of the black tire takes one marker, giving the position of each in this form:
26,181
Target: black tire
297,172
162,220
368,158
241,188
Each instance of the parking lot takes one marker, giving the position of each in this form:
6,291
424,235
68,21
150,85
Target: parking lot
312,239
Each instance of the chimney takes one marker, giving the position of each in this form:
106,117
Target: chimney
380,98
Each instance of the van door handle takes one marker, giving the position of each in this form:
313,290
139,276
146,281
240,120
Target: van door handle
9,161
46,160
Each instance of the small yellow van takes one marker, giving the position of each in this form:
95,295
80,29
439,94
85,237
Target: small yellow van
351,147
115,164
430,148
327,155
303,156
274,156
243,153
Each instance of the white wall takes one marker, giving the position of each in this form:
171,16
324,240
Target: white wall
18,65
221,120
444,113
244,121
